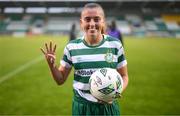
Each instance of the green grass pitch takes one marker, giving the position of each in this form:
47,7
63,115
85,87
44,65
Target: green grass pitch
154,76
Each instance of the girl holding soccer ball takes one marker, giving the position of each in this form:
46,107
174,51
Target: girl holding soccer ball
93,51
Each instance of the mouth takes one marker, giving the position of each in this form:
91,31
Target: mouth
92,30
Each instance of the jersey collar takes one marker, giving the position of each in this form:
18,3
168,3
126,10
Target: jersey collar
103,40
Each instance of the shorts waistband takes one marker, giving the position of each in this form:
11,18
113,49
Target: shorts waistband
84,101
80,99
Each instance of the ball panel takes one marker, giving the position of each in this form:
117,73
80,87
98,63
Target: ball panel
106,84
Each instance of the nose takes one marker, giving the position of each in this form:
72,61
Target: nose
92,23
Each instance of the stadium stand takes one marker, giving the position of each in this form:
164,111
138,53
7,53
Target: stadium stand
58,24
173,24
37,25
124,27
140,18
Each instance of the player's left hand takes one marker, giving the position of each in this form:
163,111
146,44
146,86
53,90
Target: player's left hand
118,95
103,102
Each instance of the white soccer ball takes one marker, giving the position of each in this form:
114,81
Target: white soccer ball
106,84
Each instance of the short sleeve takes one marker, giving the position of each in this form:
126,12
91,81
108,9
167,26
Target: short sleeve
121,58
66,60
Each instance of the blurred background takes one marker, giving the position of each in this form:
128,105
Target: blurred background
134,17
151,35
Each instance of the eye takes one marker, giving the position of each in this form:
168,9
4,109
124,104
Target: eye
87,19
97,19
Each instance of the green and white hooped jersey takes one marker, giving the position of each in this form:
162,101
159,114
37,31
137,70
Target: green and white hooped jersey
86,59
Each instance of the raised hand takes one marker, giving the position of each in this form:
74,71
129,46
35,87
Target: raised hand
50,53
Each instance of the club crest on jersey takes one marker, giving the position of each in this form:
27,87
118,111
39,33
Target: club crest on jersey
109,56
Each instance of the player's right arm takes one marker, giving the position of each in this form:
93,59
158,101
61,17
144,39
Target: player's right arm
60,73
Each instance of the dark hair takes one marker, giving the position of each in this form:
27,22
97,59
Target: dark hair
113,24
93,5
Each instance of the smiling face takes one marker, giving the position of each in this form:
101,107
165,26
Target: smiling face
92,22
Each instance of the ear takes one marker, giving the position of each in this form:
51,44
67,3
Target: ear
104,28
80,21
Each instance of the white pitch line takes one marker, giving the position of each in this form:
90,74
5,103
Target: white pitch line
20,69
